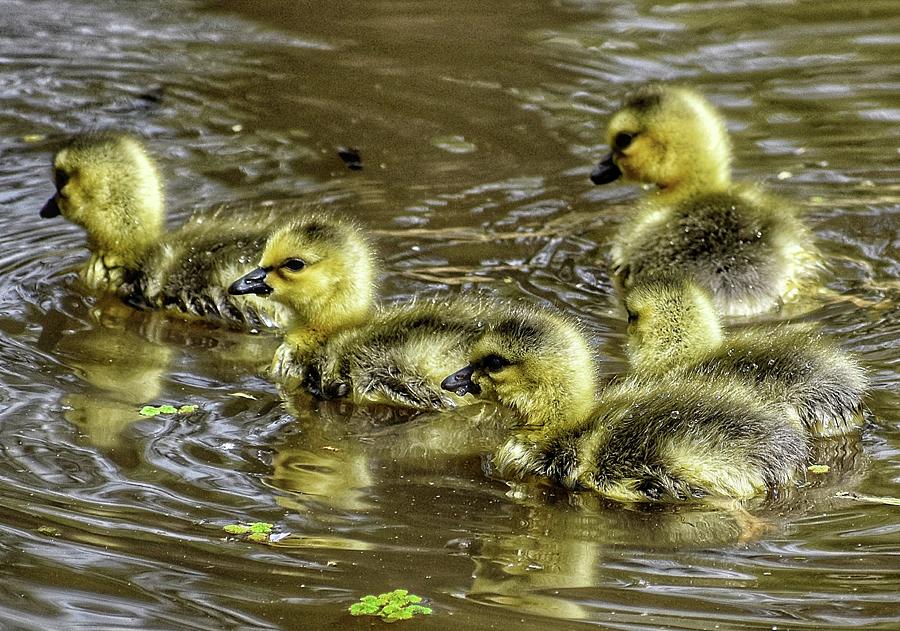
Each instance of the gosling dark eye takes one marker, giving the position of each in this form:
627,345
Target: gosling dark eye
61,178
622,140
294,265
632,317
493,363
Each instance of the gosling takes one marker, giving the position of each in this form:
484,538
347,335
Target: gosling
338,344
749,250
660,440
108,184
673,326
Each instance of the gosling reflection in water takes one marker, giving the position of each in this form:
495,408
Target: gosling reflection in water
567,547
124,359
558,549
122,371
340,452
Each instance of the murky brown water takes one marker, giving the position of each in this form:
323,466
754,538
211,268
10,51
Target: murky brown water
478,124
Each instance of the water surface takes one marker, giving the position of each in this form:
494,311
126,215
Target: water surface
477,125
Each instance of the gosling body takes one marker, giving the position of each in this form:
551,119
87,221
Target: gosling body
339,344
673,326
750,250
401,356
108,184
642,440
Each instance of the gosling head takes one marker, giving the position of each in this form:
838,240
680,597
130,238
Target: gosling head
536,363
671,321
108,184
668,136
322,268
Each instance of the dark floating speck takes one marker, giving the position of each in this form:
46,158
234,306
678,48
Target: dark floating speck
153,95
351,158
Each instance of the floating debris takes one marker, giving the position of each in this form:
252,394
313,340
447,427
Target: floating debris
859,497
351,158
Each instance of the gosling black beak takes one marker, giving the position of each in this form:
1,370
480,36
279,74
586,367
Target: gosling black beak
606,171
252,283
461,382
50,209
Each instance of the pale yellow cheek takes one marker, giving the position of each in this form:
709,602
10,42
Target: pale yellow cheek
69,202
517,458
317,285
488,390
65,206
507,383
631,171
279,288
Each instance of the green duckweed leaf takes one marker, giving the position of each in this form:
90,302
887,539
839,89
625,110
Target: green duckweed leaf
390,606
400,614
258,531
156,410
364,609
818,468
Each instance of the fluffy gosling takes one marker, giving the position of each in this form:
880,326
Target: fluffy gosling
642,440
750,251
673,326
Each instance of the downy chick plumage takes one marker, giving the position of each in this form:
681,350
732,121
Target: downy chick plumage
339,344
673,326
751,251
641,440
108,184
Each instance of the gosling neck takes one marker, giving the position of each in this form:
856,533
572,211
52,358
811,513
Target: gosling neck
708,172
667,356
554,405
694,183
123,235
307,332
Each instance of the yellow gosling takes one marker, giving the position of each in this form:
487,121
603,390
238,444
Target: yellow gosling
338,344
108,184
665,439
673,326
750,250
